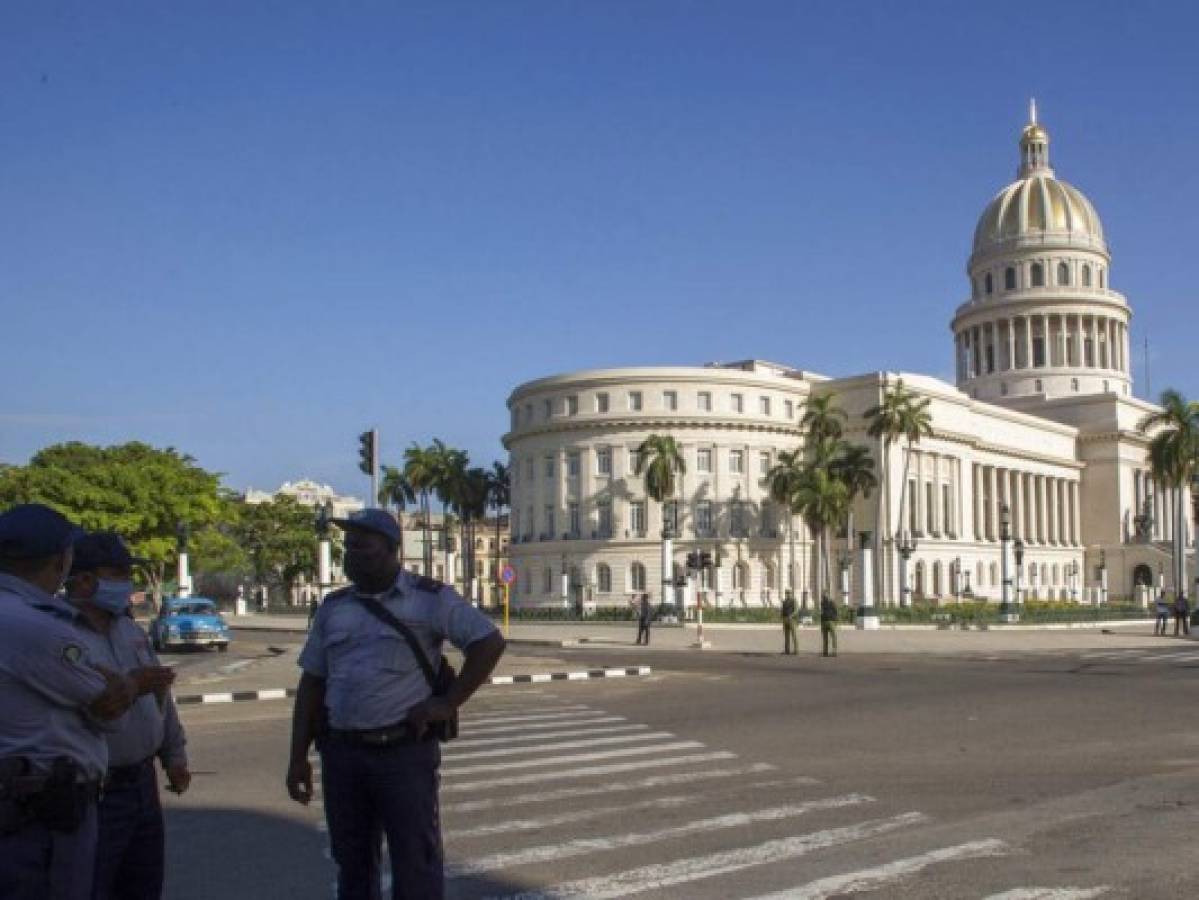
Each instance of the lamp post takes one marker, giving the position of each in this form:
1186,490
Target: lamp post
565,581
845,562
182,533
324,557
955,580
1007,613
1072,574
1018,553
867,615
906,545
1102,576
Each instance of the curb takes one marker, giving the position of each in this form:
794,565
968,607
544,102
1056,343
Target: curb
533,678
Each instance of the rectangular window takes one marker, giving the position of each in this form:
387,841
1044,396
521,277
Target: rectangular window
637,518
549,522
603,461
601,403
549,467
572,464
913,522
572,514
703,517
737,519
764,405
572,405
930,508
670,400
703,459
635,401
789,409
530,525
736,403
547,580
1038,352
604,514
548,408
736,462
763,463
634,461
947,510
704,401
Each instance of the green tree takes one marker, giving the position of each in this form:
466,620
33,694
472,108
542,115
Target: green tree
449,464
822,418
783,482
660,461
823,500
280,541
1174,461
140,492
396,492
420,470
499,498
854,467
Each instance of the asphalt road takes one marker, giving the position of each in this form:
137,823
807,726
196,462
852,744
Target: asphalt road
1045,775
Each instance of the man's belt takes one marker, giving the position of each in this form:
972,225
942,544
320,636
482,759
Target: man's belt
387,736
124,776
23,787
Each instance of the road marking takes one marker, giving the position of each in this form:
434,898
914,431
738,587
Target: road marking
583,719
524,738
616,787
1070,893
561,745
682,871
533,717
1187,654
884,875
584,846
569,759
584,772
579,815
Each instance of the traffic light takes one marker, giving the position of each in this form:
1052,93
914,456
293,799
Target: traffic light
693,561
366,453
705,560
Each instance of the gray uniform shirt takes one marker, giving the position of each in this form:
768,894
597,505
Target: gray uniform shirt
149,728
47,679
371,677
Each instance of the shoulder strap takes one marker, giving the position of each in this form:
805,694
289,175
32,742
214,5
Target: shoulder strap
379,611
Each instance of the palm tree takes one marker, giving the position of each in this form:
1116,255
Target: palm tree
822,418
499,498
659,459
783,480
421,472
823,500
470,491
395,490
1174,461
449,466
854,466
900,415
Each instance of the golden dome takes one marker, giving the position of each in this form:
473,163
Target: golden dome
1034,132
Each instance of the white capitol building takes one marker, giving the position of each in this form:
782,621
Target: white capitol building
1042,420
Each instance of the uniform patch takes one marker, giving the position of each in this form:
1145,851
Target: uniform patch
73,654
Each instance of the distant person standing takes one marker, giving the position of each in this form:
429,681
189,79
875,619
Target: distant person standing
790,638
645,615
828,625
1162,608
1182,615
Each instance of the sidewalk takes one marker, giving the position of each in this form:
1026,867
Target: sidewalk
768,638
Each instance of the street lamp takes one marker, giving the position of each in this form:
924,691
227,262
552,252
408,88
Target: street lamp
1102,576
1072,575
1007,612
1018,552
906,545
845,562
956,579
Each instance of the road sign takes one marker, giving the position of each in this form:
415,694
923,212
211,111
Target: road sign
508,575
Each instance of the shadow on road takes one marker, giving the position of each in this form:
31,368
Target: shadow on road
237,854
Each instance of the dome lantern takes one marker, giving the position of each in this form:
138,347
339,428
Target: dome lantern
1034,147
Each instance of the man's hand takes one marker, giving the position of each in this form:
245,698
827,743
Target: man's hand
299,781
153,679
434,709
117,697
178,778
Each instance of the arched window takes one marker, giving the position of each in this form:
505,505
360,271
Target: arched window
1086,276
1055,573
1063,273
989,283
937,579
978,575
741,576
637,577
994,575
547,580
1009,278
1074,384
1102,279
1038,387
769,575
603,578
1038,275
1044,573
918,588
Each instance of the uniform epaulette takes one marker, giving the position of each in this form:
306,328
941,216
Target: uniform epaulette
432,585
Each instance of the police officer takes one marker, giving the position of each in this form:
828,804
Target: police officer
645,616
788,612
129,853
379,751
828,625
54,702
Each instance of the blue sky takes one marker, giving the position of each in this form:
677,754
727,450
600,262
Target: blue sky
250,231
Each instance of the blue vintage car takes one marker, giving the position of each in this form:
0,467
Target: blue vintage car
189,622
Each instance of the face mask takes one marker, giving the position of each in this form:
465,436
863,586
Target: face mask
113,596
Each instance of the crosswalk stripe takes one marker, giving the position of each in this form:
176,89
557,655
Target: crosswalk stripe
578,815
682,871
616,787
569,759
533,717
591,718
1070,893
584,846
561,745
525,738
1186,654
584,772
881,876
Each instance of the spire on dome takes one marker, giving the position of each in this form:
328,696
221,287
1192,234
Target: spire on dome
1034,146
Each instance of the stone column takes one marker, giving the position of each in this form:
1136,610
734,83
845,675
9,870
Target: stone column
992,506
1018,506
1076,513
1051,510
1011,344
1078,340
1028,342
1039,488
976,499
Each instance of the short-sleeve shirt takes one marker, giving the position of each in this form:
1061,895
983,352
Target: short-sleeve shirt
371,677
47,679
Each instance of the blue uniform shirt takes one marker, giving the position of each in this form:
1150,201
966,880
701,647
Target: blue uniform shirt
47,680
371,677
149,728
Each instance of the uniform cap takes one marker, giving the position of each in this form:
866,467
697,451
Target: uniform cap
379,521
102,549
33,531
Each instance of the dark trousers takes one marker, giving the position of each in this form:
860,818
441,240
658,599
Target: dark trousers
39,864
369,792
129,851
643,632
1182,620
1159,626
790,639
828,635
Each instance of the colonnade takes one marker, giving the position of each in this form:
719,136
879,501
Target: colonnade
1043,340
1045,510
1164,499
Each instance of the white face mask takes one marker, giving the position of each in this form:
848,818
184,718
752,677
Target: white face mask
113,596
